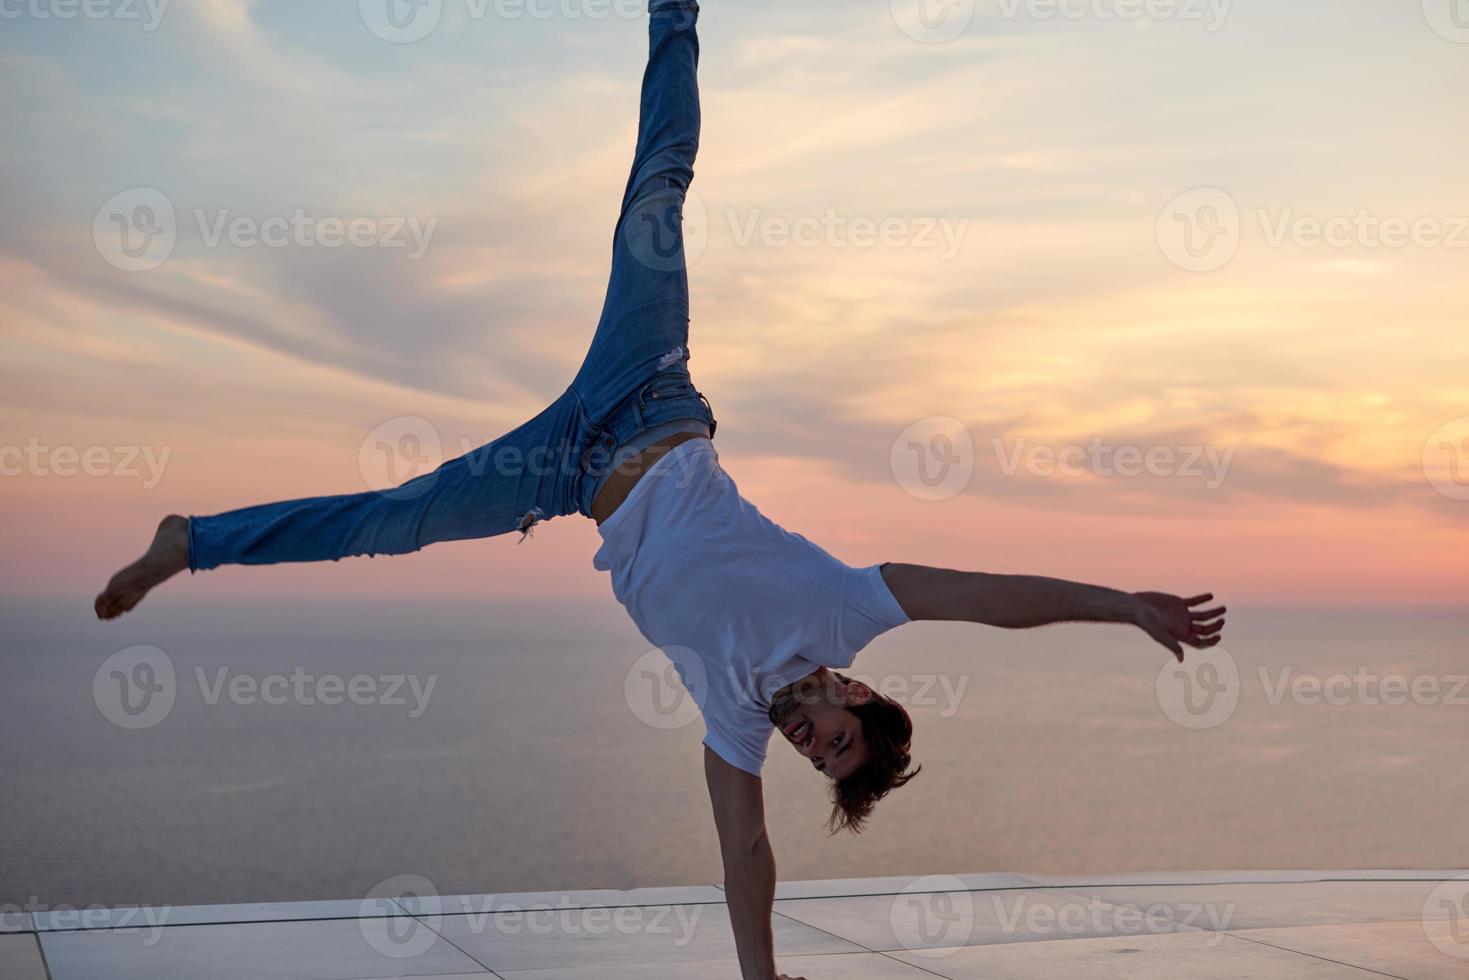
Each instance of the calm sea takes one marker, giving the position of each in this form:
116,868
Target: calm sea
539,752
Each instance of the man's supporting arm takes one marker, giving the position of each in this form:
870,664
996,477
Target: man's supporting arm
749,863
1023,601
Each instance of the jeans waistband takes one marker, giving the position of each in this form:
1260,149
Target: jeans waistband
641,421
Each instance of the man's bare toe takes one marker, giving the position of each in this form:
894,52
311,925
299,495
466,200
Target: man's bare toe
166,557
116,600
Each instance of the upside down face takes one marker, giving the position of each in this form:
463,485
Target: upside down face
813,716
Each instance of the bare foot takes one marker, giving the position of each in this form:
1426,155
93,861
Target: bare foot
166,557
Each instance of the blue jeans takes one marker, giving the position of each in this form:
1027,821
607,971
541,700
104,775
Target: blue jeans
635,376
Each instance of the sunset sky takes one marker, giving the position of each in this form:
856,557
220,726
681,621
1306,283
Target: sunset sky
1032,177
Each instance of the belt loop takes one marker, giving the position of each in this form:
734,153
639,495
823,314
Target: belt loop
597,431
713,422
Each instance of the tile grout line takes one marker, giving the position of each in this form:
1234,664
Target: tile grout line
1035,886
1324,959
860,947
472,958
825,932
922,969
1065,886
45,963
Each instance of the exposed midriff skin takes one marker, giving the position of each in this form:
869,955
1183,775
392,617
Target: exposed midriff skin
626,476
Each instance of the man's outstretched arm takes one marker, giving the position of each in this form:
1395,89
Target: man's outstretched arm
1023,601
749,864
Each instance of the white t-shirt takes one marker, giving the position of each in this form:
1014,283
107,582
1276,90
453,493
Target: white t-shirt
741,606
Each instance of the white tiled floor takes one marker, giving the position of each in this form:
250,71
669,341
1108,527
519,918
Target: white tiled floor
592,898
197,915
910,920
344,949
838,966
1196,956
20,958
1400,948
1257,906
1272,926
606,937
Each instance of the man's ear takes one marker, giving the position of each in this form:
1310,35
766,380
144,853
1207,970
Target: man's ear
859,693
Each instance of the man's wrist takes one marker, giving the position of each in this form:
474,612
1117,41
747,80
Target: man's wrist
1132,605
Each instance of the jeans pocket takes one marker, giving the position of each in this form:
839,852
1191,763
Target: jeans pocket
666,387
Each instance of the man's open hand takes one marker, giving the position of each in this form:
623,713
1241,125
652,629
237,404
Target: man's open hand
1176,622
